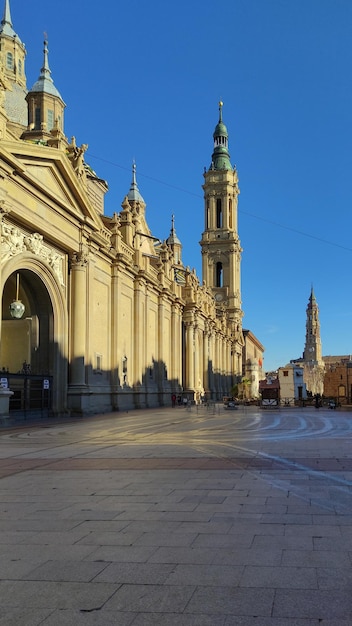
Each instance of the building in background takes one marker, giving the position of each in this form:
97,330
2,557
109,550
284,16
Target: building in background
338,378
292,386
98,314
252,365
269,389
314,375
312,360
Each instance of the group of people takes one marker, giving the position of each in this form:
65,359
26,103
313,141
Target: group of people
184,400
179,400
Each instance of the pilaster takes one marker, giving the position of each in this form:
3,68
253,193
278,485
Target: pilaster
78,266
189,355
138,332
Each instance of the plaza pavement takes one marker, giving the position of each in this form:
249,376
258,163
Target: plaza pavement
178,517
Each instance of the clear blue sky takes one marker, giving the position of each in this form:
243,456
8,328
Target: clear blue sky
142,81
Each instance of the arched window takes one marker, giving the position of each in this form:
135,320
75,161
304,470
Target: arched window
19,65
9,61
207,216
218,213
230,213
342,391
50,123
219,275
37,118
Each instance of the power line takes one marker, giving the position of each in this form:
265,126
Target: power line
295,230
140,174
197,195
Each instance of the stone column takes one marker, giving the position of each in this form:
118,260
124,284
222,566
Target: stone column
116,373
206,359
221,365
228,364
211,364
175,347
78,264
138,332
4,210
189,356
161,339
197,376
217,364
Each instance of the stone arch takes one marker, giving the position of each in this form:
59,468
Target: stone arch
43,292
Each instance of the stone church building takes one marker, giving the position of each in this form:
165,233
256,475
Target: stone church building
97,313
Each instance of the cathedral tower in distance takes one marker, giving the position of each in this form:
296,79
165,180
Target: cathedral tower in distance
312,356
312,349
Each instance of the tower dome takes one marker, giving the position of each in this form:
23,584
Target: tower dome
221,156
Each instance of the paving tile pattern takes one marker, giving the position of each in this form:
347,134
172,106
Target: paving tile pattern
178,518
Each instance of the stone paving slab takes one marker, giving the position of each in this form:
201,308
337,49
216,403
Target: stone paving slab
177,518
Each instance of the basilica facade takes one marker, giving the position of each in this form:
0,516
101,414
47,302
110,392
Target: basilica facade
98,314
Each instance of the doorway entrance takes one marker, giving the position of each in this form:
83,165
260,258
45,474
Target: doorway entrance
27,343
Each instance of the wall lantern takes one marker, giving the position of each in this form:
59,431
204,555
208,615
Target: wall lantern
17,307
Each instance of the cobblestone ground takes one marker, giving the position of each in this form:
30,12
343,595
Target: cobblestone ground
178,517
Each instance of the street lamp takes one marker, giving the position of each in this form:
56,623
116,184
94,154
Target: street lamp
17,307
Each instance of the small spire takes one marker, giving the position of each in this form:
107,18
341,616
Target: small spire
134,180
45,70
134,193
221,104
312,299
172,238
6,22
45,83
7,14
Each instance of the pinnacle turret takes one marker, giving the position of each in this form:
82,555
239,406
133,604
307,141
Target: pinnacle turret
174,243
45,83
6,22
45,106
134,194
172,238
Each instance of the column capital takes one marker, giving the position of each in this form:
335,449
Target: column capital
79,259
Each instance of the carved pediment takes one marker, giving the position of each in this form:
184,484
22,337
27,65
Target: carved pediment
48,178
47,173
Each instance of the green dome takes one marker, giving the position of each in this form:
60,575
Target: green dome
220,130
220,158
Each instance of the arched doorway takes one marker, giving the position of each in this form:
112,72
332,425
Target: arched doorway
32,349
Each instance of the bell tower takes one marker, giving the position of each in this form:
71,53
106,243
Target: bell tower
312,349
220,244
313,363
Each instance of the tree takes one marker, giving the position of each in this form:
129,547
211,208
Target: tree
245,388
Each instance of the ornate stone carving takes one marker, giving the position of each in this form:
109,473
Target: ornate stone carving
4,209
13,241
79,259
76,156
34,243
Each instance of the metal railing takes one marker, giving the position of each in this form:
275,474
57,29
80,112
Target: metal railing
32,393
